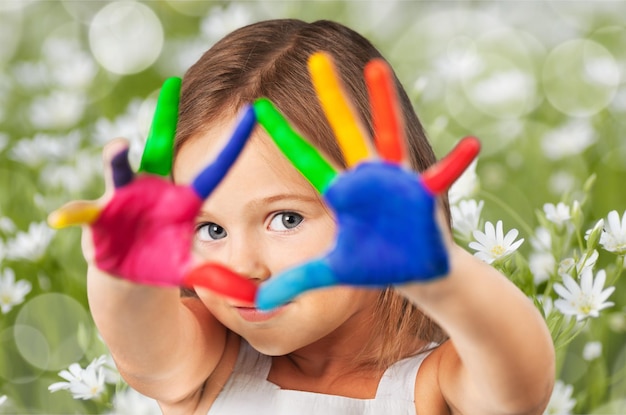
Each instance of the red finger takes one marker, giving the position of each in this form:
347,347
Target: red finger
221,280
439,177
386,115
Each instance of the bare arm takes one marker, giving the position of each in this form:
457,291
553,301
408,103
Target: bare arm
164,346
501,357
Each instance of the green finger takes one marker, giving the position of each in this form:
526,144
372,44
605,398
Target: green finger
159,150
300,152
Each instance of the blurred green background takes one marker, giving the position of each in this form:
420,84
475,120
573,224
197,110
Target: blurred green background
542,83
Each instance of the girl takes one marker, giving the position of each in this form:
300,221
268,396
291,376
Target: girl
468,342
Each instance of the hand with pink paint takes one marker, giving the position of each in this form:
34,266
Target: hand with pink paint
144,233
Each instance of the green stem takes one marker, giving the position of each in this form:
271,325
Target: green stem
522,223
620,269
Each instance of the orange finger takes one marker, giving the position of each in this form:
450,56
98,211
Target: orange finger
386,115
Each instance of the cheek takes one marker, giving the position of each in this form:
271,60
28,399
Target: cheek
215,303
314,242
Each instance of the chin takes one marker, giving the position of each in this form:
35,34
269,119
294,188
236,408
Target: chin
272,345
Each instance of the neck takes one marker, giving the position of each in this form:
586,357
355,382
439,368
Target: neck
339,352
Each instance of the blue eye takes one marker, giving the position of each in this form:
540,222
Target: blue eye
285,221
210,232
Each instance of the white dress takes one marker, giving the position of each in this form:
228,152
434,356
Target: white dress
248,391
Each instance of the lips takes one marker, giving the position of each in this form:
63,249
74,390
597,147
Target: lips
254,315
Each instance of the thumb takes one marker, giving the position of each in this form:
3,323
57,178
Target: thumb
117,170
289,284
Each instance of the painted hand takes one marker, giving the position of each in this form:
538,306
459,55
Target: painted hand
387,230
144,233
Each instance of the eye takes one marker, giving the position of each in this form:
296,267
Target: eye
210,232
285,221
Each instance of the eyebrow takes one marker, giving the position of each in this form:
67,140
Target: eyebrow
273,199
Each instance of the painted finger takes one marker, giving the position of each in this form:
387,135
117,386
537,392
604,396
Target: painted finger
340,114
286,286
121,172
159,150
78,212
209,178
311,164
386,115
223,281
439,177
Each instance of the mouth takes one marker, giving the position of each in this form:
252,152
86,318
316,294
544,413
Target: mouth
254,315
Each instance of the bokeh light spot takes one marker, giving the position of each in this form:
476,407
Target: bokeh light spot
13,367
126,37
580,77
32,345
57,318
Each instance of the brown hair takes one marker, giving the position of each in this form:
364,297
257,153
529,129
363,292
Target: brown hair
269,59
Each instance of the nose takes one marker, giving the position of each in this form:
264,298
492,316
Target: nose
246,257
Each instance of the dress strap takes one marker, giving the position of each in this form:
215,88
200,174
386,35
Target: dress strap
398,381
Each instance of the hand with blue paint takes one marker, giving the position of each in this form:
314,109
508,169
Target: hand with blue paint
144,233
386,213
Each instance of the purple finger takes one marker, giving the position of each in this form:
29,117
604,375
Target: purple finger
122,172
208,179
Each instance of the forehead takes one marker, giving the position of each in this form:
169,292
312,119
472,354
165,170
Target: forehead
259,162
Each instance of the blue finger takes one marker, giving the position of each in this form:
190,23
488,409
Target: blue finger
122,172
289,284
209,178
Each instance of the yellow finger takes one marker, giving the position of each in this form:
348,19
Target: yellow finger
341,117
74,213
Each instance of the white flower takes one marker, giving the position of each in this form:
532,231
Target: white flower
559,214
613,239
131,402
3,399
504,87
568,264
465,186
602,70
585,300
7,225
561,182
541,265
133,124
223,20
466,216
30,245
617,322
70,66
493,244
459,62
31,75
592,350
542,240
46,148
12,293
59,110
111,374
561,401
571,139
74,176
85,383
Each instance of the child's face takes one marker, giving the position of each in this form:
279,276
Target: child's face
265,217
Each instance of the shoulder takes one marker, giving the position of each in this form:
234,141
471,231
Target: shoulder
429,397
